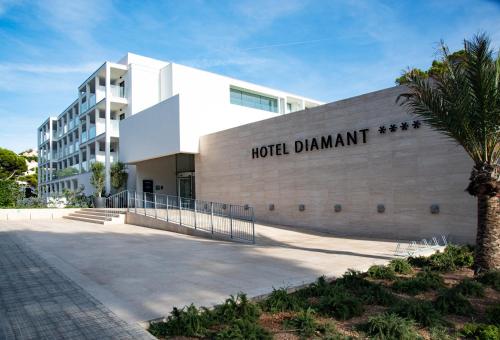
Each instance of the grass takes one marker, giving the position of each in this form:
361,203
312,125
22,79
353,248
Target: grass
378,304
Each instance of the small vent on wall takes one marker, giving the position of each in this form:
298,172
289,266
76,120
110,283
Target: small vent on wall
302,207
271,207
337,207
380,208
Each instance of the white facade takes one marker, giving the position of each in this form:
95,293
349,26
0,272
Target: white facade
140,109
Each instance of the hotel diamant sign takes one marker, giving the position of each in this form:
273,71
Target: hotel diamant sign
326,142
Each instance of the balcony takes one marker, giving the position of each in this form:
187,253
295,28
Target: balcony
70,171
92,132
84,137
117,91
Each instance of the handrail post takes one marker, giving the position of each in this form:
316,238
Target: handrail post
128,201
180,209
167,208
195,214
144,202
135,201
212,216
156,213
231,220
253,226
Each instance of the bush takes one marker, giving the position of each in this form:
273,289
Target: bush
381,272
280,301
10,193
493,314
423,281
453,258
390,326
480,331
422,312
440,333
419,261
377,295
469,287
451,301
233,308
303,322
341,305
400,266
188,321
243,329
491,278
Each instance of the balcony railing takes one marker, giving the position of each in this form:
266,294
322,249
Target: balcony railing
117,91
92,132
84,137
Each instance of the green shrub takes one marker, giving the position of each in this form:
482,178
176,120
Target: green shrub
491,278
419,261
390,326
422,282
242,329
341,306
381,272
422,312
303,322
451,301
328,331
189,321
493,314
233,308
319,288
400,266
469,287
480,331
280,301
452,258
10,193
377,295
440,333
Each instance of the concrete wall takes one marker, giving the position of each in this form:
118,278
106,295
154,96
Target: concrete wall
33,214
406,171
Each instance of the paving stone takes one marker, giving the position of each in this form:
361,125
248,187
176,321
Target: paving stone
39,302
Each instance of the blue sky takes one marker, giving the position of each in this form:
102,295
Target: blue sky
326,50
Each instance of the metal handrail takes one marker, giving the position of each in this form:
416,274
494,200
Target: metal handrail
116,204
221,219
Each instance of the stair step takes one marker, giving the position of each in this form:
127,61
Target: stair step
83,219
102,210
96,213
94,217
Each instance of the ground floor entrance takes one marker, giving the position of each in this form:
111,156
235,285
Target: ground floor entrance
172,175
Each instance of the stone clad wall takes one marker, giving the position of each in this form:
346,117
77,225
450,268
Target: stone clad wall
407,171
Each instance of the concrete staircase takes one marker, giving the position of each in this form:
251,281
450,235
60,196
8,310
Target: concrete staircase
98,216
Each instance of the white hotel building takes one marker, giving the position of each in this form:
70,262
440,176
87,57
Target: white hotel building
360,166
162,109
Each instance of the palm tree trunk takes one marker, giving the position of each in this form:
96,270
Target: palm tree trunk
488,233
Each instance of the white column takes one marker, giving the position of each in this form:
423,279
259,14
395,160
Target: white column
107,127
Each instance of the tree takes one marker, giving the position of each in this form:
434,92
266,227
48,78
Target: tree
437,68
463,102
119,176
97,178
9,193
11,165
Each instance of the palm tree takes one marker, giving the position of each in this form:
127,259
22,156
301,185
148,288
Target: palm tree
463,102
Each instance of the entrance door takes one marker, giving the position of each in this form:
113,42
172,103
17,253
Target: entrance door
185,187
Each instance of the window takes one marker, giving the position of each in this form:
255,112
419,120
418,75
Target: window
253,100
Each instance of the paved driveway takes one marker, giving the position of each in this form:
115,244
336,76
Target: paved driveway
39,302
141,273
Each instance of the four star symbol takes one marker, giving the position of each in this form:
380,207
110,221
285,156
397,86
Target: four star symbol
404,126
